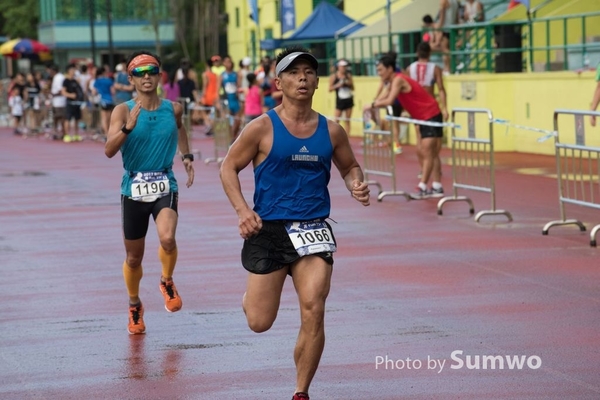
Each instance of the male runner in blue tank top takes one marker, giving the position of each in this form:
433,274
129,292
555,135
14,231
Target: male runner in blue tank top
291,149
147,131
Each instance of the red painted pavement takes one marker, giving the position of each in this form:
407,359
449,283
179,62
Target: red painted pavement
407,284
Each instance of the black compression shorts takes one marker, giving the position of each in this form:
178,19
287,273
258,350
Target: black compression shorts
135,215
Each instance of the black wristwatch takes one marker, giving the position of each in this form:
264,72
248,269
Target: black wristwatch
125,130
187,156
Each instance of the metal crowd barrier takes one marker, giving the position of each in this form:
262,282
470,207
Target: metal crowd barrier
187,114
222,136
473,163
578,172
379,159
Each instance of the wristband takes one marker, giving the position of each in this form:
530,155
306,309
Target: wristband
187,156
125,130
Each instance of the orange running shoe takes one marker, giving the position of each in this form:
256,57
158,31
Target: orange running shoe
136,320
169,291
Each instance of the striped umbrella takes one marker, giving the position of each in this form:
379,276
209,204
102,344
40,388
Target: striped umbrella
17,48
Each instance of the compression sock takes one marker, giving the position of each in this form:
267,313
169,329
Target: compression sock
132,276
168,261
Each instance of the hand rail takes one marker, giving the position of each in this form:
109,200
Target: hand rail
358,21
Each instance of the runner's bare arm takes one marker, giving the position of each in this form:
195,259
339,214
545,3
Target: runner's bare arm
332,86
120,117
392,94
244,150
439,81
350,81
183,142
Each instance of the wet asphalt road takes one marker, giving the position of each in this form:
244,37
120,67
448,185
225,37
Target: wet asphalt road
407,284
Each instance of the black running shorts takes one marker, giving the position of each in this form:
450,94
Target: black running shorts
344,104
135,215
432,131
271,249
73,112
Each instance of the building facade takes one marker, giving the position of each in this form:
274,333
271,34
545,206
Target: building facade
82,29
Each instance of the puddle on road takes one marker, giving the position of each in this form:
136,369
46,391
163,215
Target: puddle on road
22,173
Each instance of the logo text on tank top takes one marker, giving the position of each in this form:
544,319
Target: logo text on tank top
304,157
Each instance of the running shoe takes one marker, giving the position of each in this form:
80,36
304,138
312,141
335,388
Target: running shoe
77,138
67,139
169,291
136,320
300,396
421,194
437,192
397,149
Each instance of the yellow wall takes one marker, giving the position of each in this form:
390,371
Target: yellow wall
239,38
524,99
556,29
358,9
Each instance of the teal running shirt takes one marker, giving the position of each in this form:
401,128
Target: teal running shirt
151,146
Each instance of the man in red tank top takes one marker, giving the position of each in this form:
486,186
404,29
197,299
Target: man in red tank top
421,105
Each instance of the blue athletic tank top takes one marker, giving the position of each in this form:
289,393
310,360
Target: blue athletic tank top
229,81
151,146
291,182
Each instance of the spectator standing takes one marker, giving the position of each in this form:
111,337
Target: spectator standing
448,16
16,105
75,99
123,89
171,88
242,80
474,12
218,68
428,75
33,111
187,90
183,65
341,82
104,88
229,82
422,106
59,103
254,98
266,80
210,94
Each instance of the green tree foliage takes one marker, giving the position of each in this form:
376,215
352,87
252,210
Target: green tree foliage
19,18
199,25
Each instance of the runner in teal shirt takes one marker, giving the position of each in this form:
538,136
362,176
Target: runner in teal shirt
147,131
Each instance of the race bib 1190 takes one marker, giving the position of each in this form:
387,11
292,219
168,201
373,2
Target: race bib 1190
149,186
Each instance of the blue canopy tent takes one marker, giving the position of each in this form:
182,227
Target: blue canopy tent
321,26
323,23
318,31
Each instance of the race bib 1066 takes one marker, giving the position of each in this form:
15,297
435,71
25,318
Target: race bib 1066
310,237
149,186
